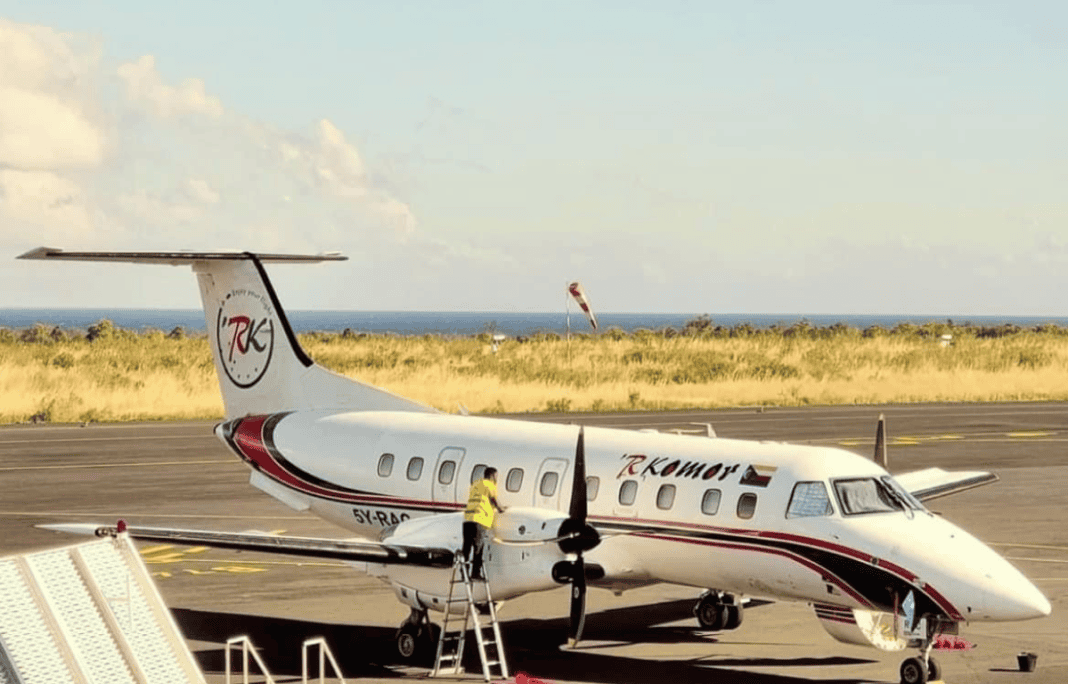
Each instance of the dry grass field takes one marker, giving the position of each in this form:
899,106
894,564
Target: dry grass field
47,375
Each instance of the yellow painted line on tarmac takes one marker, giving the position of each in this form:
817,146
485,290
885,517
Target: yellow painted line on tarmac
146,464
156,549
238,569
1029,546
1028,435
165,558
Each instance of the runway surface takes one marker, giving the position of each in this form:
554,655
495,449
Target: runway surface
179,475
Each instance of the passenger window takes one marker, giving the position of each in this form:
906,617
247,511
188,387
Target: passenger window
446,472
593,483
628,491
415,468
478,472
385,465
515,480
665,498
548,484
710,502
809,500
746,505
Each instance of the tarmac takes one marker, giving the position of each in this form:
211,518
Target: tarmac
177,474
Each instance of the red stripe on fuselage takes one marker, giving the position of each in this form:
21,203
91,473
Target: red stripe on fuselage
250,441
824,573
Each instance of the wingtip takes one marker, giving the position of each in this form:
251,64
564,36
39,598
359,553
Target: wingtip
39,253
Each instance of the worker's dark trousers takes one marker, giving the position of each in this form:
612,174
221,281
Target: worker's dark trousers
474,540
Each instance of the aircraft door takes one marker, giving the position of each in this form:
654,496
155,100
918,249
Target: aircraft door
550,483
446,482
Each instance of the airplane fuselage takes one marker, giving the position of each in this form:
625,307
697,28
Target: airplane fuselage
739,516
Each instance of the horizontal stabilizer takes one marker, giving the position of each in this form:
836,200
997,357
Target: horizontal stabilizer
932,483
308,547
177,258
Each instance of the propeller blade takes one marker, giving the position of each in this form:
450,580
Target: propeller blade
575,534
880,443
578,603
577,510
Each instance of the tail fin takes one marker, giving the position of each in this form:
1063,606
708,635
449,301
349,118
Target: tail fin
261,365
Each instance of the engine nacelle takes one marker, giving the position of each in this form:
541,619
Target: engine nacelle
519,525
862,627
519,559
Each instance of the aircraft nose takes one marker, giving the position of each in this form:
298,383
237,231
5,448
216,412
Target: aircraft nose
1006,595
1016,600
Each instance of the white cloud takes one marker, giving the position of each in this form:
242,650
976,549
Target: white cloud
152,210
44,199
40,131
145,88
199,190
114,154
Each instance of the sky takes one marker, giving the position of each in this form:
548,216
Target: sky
709,157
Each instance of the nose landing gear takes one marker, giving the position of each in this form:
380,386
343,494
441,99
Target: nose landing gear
923,668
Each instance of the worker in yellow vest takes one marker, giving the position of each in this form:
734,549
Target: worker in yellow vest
478,518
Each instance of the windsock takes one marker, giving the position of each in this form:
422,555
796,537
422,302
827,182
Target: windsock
580,296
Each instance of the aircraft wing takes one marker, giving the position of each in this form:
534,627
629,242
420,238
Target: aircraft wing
932,483
336,549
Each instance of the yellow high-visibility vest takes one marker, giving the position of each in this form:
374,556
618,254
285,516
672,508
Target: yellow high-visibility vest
479,507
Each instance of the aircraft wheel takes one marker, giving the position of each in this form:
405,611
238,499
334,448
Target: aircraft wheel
734,617
913,671
934,670
408,641
711,614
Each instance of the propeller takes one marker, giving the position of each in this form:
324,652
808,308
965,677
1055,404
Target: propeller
577,536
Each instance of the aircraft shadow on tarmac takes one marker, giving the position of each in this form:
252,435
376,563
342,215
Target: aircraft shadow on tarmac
533,647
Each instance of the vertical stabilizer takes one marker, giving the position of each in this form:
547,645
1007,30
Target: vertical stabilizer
260,363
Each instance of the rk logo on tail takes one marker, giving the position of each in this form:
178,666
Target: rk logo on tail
245,336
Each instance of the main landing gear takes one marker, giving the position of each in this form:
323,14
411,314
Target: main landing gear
718,612
923,668
417,637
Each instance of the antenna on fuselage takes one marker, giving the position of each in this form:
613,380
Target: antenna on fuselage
880,444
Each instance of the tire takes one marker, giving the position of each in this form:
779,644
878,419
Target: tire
934,670
408,642
913,672
734,617
711,615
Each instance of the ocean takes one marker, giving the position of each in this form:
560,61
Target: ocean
471,323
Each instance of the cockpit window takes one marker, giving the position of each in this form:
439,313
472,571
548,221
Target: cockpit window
809,500
867,495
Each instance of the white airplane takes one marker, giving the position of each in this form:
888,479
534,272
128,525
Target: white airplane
613,508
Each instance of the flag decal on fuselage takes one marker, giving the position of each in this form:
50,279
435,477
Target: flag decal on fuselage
758,475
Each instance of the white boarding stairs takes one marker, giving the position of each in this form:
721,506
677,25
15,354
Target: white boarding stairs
451,644
88,614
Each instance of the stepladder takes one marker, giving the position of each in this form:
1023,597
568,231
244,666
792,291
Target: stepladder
470,598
